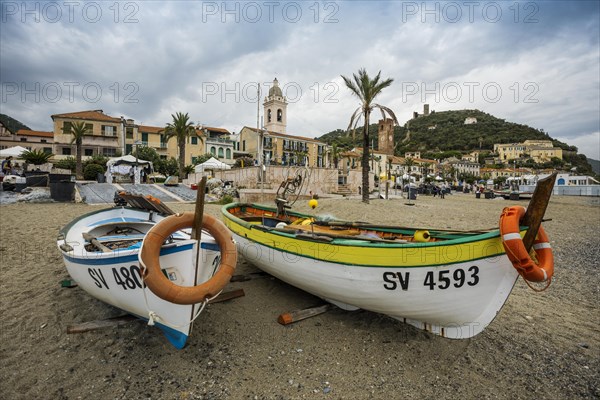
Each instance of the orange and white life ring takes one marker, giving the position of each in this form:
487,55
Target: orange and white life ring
160,285
515,249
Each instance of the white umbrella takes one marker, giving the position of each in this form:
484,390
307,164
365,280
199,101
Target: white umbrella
12,151
212,163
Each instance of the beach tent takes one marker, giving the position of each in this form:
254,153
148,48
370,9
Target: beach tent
128,160
12,151
122,166
213,164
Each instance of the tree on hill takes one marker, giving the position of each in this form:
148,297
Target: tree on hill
443,132
366,89
12,124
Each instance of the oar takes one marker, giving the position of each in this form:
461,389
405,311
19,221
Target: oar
367,226
332,235
92,239
537,208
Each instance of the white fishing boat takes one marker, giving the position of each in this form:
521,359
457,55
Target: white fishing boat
448,282
140,258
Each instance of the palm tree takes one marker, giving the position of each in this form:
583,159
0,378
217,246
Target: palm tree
181,128
366,89
426,168
336,152
78,130
408,163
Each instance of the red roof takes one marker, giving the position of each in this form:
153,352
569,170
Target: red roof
26,132
150,129
91,115
222,130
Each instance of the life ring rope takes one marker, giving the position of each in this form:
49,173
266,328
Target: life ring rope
530,270
160,285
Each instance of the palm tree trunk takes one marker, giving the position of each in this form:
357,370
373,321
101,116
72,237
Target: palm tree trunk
78,163
365,160
181,159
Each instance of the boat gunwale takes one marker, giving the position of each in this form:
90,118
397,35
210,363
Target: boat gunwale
364,242
66,228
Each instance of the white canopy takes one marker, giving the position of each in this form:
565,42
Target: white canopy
128,160
212,163
12,151
125,165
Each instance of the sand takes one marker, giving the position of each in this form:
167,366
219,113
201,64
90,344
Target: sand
541,345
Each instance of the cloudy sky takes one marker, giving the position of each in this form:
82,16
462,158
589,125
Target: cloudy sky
531,62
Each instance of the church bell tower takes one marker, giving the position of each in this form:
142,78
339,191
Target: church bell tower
275,109
386,136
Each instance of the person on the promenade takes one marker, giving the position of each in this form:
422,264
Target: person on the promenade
7,166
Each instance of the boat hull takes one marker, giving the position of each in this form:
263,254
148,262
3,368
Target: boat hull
454,290
115,279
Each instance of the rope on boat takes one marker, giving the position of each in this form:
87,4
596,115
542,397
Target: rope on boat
153,317
549,281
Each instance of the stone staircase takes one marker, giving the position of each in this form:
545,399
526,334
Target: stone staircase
344,190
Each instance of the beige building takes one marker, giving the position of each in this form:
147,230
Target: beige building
218,142
539,150
413,154
26,138
111,137
493,173
471,157
466,167
31,140
4,131
153,136
278,147
105,135
283,149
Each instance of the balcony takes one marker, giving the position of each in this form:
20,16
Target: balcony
218,140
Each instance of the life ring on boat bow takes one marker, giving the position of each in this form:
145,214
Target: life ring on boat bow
515,248
160,285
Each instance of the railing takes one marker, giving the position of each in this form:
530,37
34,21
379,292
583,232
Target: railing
218,140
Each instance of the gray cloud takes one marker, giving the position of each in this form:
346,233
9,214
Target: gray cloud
152,58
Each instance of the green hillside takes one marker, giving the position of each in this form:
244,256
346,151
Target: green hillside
442,131
442,134
12,124
449,132
595,165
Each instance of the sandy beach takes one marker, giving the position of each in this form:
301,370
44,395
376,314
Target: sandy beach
540,346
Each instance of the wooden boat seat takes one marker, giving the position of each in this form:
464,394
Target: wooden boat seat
146,203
